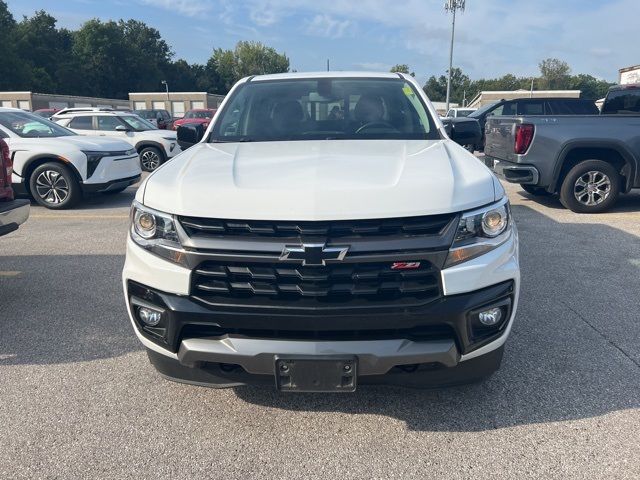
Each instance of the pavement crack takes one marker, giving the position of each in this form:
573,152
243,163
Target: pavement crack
595,329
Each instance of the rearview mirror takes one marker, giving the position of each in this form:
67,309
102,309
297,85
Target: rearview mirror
190,134
121,128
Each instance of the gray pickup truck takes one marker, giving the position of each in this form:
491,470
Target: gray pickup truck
587,159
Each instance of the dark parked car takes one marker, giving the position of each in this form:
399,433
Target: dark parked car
533,106
160,118
12,212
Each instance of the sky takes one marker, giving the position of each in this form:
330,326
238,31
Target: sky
493,37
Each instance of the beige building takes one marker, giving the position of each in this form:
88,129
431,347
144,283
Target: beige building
36,101
441,107
176,103
629,75
487,97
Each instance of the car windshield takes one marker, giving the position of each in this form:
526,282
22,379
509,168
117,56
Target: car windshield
481,111
137,123
325,108
465,113
29,125
199,114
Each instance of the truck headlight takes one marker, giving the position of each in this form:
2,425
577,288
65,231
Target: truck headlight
480,231
156,232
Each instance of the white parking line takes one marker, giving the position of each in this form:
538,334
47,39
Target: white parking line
9,273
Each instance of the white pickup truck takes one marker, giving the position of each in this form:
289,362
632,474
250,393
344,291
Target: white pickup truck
324,232
56,167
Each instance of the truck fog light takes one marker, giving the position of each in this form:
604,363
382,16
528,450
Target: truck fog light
149,317
490,317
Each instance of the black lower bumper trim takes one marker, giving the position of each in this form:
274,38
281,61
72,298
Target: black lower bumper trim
446,318
113,185
431,375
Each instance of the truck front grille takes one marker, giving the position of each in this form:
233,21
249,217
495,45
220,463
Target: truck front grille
415,226
216,282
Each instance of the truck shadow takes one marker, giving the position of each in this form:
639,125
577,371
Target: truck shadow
629,202
573,353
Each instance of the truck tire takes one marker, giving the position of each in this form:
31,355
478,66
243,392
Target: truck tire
150,158
592,186
535,191
54,186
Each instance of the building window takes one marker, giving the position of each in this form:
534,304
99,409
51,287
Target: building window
24,104
158,105
139,105
6,104
177,109
197,104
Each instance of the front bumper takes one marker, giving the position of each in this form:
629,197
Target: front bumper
233,345
13,214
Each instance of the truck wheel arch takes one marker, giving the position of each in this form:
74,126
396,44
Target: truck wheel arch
34,162
614,153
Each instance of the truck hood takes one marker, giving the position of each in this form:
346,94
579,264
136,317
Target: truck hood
320,180
79,142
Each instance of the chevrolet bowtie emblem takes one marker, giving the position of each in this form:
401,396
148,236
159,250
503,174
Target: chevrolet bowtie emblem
313,254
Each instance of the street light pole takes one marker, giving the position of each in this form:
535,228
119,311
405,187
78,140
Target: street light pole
166,87
452,6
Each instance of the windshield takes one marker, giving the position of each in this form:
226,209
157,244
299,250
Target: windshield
137,123
622,101
326,108
28,125
199,114
465,113
482,110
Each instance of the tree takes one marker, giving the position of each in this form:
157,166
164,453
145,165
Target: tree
554,73
436,87
402,68
591,87
226,67
14,71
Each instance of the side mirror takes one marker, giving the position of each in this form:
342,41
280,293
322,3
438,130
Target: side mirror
190,134
121,128
464,131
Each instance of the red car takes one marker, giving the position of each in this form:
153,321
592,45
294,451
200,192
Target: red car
12,212
197,115
46,112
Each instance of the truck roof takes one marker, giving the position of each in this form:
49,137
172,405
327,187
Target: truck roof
330,74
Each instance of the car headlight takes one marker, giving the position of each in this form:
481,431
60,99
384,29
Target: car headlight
480,231
156,232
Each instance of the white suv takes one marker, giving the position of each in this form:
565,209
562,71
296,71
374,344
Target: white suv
325,232
56,167
154,146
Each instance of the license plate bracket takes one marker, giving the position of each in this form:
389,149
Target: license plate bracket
314,374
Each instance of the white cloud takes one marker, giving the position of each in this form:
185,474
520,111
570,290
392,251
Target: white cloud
324,25
187,8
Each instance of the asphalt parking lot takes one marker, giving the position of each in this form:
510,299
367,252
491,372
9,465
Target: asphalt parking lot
78,398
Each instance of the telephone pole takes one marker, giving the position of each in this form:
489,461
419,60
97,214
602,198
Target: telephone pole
452,6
